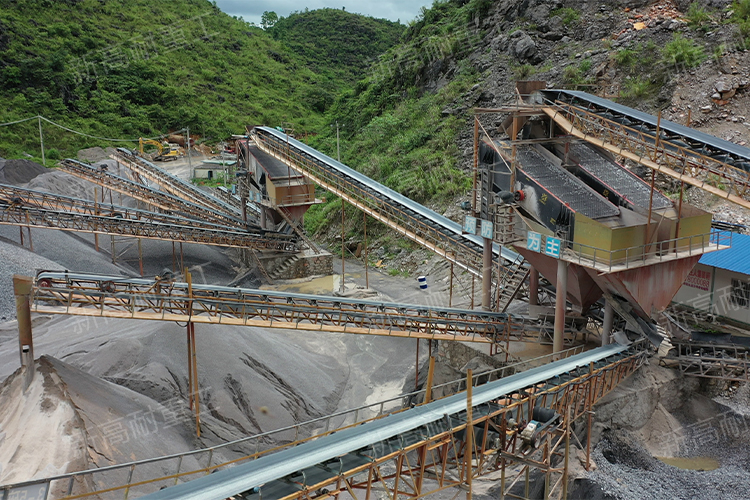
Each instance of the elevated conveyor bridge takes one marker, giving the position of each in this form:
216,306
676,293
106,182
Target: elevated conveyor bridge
117,297
682,153
145,194
515,424
408,218
22,197
172,184
112,224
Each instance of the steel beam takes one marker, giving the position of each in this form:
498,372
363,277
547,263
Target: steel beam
145,194
18,215
116,297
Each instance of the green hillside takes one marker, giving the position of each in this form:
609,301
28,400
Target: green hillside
130,68
393,128
336,43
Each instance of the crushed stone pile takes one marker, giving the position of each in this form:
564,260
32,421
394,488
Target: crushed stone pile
19,172
58,182
95,154
16,260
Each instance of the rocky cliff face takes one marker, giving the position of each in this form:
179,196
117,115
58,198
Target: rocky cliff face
610,48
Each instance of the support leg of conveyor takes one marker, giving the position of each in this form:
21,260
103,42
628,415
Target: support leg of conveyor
487,275
561,294
533,287
609,317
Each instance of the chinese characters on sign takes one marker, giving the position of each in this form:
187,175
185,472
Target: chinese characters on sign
534,242
552,248
486,229
699,279
551,245
470,225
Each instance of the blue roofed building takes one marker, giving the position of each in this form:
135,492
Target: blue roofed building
720,283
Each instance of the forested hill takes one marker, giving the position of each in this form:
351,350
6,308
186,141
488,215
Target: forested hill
130,68
337,43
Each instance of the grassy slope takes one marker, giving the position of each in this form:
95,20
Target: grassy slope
336,43
393,129
153,67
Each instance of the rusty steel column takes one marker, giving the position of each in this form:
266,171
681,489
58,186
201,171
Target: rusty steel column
140,256
533,287
450,288
469,454
560,299
430,375
487,275
22,289
476,168
609,318
367,276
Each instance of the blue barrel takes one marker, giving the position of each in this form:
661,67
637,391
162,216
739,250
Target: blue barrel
422,282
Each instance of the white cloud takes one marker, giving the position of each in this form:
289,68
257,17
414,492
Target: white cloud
251,10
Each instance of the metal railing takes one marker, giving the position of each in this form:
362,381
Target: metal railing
144,194
172,184
143,476
641,255
449,246
660,154
18,215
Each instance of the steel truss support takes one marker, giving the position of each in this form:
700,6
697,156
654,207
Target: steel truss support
463,447
90,295
172,184
13,196
151,197
666,156
729,362
447,246
19,215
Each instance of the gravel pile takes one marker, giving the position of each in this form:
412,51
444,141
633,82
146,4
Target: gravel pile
626,471
95,154
19,171
16,260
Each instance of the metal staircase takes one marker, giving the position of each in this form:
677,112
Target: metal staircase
298,230
511,282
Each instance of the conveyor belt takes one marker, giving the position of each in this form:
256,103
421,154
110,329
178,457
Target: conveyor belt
19,215
619,179
563,185
380,192
118,297
357,445
13,195
689,135
171,183
273,167
145,194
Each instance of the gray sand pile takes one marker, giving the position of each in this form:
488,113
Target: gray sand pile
16,260
94,154
58,182
19,172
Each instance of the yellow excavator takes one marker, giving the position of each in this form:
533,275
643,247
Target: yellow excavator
173,152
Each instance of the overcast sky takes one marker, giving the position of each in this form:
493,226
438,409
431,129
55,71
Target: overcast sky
251,10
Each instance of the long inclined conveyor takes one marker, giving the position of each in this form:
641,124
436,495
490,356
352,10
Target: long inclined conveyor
118,297
419,450
171,183
22,197
145,194
418,223
299,471
20,215
683,153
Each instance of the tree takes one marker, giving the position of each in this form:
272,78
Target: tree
268,19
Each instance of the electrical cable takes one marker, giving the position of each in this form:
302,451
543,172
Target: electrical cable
39,117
